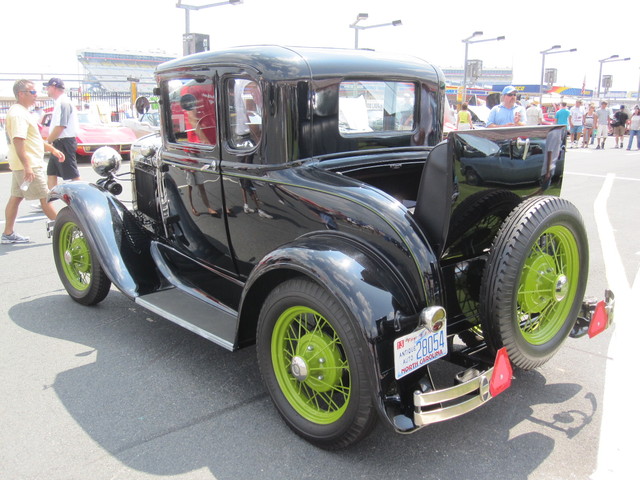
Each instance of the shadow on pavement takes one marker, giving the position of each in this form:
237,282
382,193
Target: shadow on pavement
164,401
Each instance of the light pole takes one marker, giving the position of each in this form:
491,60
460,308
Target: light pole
364,16
612,58
188,8
466,42
550,51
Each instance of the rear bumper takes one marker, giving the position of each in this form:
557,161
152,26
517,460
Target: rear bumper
431,407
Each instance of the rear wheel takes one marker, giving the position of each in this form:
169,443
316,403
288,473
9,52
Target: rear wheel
535,280
78,268
311,366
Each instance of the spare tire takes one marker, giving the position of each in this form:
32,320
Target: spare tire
534,280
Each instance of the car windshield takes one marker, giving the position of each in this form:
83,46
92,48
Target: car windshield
152,118
88,117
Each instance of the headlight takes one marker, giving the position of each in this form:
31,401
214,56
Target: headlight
105,161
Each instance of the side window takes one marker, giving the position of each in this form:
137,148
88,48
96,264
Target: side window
375,106
244,100
193,111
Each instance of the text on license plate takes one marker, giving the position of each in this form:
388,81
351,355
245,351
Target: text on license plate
418,348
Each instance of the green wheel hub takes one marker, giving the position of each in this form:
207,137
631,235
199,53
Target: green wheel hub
547,285
310,365
75,256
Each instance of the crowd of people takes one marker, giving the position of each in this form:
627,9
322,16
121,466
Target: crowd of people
584,124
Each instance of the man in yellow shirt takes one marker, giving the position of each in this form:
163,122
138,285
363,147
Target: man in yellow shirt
26,159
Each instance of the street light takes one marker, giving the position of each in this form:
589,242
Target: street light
188,8
365,16
612,58
550,51
466,42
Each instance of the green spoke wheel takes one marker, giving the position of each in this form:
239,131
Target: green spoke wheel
78,268
307,357
73,248
535,280
310,365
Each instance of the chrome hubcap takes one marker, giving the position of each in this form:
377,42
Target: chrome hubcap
562,287
299,368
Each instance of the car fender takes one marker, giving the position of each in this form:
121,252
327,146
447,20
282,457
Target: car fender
116,238
367,287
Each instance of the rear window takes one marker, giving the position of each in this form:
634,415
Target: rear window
376,106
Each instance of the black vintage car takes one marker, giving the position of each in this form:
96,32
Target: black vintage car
302,200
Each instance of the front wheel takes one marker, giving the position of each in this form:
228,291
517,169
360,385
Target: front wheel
78,268
534,280
312,367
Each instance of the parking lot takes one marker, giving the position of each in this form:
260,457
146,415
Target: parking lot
116,392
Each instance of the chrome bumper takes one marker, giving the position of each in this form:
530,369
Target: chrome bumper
472,394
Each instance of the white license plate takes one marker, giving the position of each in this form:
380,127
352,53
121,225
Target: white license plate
417,349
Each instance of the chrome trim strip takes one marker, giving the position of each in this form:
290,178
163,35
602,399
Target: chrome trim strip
425,417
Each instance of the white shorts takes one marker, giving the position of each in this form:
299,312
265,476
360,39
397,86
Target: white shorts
603,131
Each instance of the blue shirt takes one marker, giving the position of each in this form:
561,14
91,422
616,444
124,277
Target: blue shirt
562,116
501,115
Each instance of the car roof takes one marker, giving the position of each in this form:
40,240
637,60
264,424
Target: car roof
276,62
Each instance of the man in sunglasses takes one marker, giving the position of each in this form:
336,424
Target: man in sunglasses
508,113
62,133
26,159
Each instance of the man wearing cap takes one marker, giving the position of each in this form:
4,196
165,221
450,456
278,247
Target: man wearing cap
508,113
62,134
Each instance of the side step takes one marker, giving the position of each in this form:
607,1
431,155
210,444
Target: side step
205,319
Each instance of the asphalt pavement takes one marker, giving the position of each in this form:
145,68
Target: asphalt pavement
116,392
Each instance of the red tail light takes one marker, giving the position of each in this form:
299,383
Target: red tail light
502,373
599,321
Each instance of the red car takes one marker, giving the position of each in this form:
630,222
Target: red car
93,134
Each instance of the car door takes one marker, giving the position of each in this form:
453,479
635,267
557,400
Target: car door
195,214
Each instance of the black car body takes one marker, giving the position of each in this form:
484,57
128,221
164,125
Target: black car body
295,183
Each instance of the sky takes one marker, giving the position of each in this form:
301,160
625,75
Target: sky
43,36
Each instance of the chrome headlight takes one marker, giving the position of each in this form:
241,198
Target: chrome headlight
105,161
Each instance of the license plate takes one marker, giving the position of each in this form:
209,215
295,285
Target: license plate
418,348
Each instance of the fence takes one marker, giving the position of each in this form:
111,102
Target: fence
119,102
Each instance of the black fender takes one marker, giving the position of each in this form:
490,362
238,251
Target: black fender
119,242
368,288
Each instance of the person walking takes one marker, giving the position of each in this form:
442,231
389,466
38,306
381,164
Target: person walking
620,119
62,134
507,113
26,160
590,122
603,119
464,118
534,113
634,127
576,123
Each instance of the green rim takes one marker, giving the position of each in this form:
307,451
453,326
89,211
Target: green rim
310,365
75,256
548,285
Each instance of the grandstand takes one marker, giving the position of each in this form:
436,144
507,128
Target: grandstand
487,77
111,71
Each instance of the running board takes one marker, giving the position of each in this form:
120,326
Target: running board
194,314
